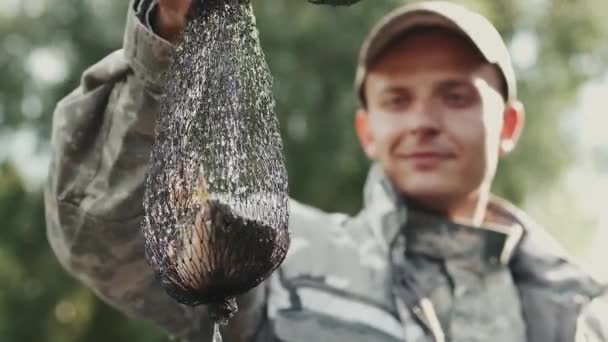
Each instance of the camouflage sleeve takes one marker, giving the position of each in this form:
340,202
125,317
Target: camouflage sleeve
101,138
593,323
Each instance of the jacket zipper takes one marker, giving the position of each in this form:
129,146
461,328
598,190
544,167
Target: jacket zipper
425,312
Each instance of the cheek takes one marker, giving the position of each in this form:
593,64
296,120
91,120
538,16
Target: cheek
468,131
493,108
478,138
493,128
480,128
475,139
386,130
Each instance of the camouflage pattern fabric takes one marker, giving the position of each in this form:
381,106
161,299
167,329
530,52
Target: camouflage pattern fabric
390,273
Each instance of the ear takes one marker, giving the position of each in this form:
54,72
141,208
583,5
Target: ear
365,133
512,127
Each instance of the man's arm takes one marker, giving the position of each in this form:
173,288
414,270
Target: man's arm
102,135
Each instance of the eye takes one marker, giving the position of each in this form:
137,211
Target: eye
459,98
396,102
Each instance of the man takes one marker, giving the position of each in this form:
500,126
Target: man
432,256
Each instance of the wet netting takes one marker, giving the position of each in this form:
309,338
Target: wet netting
216,202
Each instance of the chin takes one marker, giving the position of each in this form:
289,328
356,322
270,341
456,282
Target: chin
435,194
423,195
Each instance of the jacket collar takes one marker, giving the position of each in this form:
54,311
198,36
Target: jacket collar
387,213
384,210
534,256
541,262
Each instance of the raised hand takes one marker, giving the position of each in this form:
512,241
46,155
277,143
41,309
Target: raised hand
171,18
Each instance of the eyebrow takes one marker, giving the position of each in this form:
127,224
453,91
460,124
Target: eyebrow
454,83
394,89
444,84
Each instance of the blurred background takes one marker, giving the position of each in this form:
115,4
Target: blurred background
558,173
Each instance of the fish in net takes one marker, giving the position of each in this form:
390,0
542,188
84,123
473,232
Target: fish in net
216,192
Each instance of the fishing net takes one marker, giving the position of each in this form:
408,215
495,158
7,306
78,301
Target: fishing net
216,198
216,202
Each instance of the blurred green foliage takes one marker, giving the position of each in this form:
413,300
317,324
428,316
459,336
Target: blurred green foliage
311,51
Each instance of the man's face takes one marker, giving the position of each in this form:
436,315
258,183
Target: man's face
434,117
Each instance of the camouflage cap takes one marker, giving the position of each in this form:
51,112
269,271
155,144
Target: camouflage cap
472,25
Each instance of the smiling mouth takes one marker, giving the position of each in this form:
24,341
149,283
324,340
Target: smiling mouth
425,160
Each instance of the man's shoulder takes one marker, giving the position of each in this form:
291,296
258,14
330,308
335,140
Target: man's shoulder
334,272
314,230
550,279
308,221
330,246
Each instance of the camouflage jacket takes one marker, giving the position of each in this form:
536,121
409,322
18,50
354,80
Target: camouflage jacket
390,273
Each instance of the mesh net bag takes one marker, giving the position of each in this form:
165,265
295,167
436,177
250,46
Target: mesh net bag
216,202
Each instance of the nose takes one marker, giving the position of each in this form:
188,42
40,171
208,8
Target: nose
423,120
